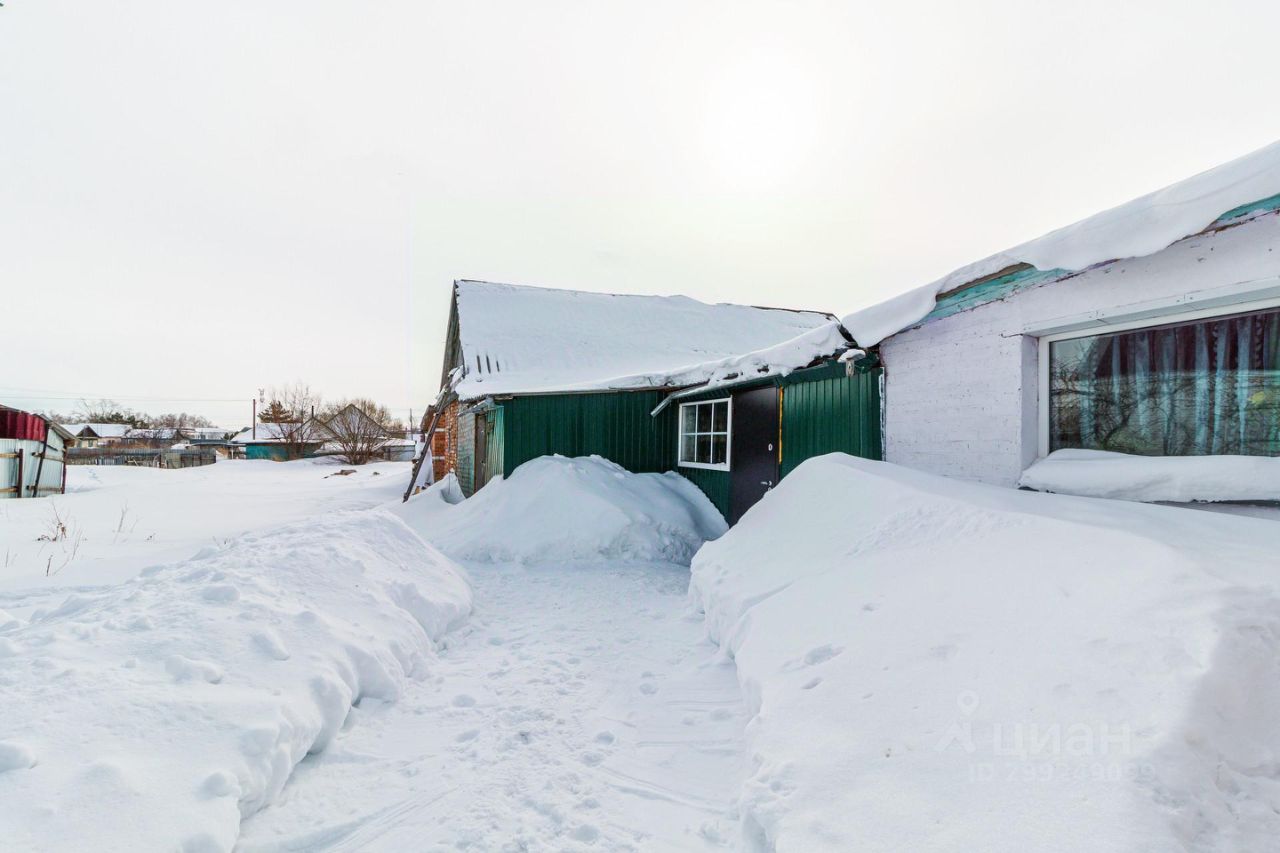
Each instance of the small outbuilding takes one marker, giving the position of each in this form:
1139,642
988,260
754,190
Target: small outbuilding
278,442
32,455
653,383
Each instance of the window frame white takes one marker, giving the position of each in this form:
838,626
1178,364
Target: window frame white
1044,342
728,435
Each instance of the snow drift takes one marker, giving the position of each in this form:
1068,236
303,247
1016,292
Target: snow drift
936,666
155,714
1178,479
555,509
1135,229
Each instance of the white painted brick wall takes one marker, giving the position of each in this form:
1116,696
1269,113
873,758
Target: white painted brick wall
961,393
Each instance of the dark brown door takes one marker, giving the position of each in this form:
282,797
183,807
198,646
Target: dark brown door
753,449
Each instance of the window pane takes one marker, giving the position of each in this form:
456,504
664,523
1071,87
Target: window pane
688,418
704,417
719,444
1207,387
687,448
704,449
720,417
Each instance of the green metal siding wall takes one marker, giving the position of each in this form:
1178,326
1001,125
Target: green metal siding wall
616,426
830,413
714,484
823,411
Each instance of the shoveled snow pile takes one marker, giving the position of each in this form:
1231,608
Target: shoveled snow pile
1180,479
1135,229
155,714
556,509
939,666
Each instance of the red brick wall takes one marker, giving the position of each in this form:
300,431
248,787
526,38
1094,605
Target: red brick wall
444,441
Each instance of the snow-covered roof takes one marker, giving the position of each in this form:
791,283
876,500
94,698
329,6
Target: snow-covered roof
519,339
1141,227
824,342
101,430
264,432
156,433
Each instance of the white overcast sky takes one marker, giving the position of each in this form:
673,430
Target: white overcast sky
201,199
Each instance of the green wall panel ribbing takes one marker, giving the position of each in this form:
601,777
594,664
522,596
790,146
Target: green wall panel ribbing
827,415
616,426
714,484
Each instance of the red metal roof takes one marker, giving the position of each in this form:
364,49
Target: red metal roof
22,425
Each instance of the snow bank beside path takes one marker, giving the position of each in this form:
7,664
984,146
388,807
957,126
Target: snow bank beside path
554,509
1178,479
154,715
938,666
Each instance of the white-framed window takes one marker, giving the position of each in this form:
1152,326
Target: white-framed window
1193,383
705,430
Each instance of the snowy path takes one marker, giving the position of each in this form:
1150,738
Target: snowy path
581,709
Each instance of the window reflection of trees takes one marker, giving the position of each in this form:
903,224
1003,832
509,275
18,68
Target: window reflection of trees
1208,387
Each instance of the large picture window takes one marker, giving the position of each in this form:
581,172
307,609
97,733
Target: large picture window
704,434
1196,388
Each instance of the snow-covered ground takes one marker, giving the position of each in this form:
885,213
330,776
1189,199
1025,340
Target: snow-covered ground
582,708
169,673
935,665
896,662
121,518
273,644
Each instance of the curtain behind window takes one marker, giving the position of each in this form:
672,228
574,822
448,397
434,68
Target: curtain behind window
1192,389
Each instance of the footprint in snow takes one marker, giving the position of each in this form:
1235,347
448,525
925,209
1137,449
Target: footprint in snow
462,700
648,688
223,592
821,654
186,669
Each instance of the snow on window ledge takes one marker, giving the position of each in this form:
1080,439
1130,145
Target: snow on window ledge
1173,479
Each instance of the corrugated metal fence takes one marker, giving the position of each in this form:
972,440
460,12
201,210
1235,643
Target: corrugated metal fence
30,469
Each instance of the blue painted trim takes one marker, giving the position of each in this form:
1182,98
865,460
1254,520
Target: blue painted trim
1272,203
989,291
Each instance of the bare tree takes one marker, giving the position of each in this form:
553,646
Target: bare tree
358,427
181,420
107,412
298,434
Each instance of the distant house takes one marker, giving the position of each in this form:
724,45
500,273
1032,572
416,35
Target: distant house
32,451
320,437
96,435
652,383
1150,329
278,442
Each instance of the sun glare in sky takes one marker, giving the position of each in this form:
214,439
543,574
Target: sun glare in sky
762,119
